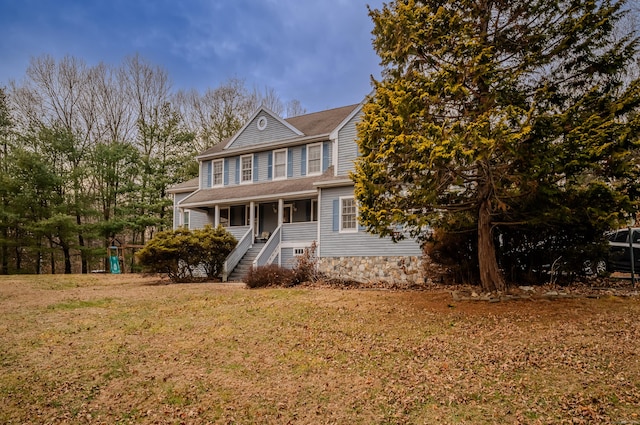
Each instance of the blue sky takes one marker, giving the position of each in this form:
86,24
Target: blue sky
316,51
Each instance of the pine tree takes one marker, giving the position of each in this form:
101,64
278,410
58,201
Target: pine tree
495,113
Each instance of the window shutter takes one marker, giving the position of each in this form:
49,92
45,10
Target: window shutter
238,170
336,215
209,171
226,171
289,163
325,156
303,166
255,168
270,166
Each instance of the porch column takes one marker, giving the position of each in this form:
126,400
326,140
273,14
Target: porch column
252,216
216,216
280,211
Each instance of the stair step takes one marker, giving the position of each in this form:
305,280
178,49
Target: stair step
245,264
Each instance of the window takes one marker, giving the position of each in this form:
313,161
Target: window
246,169
280,164
348,215
185,219
620,236
218,170
224,217
314,159
314,210
297,252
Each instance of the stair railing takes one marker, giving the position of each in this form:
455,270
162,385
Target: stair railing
236,255
270,250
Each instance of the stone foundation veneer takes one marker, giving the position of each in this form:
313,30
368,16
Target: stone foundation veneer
396,270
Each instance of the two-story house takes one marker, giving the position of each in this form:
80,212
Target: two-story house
280,185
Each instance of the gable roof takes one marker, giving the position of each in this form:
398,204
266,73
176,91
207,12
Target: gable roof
311,125
267,111
188,186
322,122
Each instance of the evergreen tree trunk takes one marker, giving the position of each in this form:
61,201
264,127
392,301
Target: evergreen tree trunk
4,266
491,278
52,258
67,258
18,259
83,254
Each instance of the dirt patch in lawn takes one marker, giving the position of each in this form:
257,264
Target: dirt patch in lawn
124,349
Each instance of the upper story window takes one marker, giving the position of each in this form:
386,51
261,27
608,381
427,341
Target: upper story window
280,164
217,173
314,159
348,215
246,168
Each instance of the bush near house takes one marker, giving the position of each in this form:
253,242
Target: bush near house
305,270
182,252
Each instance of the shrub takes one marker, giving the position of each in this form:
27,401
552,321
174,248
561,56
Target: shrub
179,253
212,248
305,270
269,275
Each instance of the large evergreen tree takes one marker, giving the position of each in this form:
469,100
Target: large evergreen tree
495,113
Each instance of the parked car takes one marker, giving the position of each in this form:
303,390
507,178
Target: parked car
619,259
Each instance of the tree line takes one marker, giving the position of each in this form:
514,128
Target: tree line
87,154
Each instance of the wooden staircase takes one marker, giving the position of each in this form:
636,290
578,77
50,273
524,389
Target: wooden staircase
241,270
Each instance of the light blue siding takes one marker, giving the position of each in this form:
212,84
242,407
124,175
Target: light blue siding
347,146
354,244
287,259
300,232
198,219
237,231
275,130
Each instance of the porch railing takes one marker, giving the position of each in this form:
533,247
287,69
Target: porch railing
270,250
236,255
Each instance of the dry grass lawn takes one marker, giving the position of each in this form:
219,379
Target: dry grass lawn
124,349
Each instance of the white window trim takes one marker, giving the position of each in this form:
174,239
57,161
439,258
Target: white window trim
242,181
213,166
286,163
186,213
342,229
316,173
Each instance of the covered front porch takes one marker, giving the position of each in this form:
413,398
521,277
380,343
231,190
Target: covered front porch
271,231
263,217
